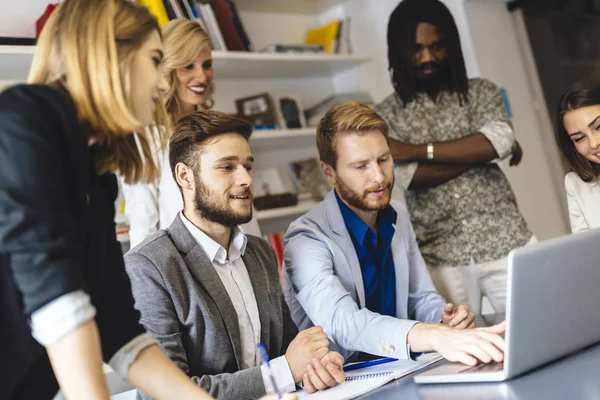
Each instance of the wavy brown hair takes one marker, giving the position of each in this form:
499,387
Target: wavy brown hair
86,50
580,94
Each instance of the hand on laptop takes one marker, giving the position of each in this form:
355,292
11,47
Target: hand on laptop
458,317
466,346
311,361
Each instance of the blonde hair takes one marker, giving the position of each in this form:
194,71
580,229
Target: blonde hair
86,50
351,117
183,40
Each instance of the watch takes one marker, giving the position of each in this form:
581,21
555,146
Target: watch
430,151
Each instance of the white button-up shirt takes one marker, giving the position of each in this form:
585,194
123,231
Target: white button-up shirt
235,278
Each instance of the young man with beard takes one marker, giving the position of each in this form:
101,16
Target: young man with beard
447,133
352,264
208,292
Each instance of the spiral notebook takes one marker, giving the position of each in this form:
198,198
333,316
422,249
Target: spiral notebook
361,381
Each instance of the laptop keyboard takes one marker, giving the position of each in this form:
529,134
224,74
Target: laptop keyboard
491,367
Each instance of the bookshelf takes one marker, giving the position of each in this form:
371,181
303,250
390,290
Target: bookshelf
309,77
243,65
292,211
285,138
15,62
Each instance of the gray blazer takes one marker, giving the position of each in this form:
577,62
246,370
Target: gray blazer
324,286
184,304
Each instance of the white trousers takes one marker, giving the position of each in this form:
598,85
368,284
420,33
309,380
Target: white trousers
467,284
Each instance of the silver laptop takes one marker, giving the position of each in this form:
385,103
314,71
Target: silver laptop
552,310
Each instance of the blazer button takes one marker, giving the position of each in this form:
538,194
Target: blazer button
392,348
382,348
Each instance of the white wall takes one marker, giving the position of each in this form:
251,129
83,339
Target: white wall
537,181
17,17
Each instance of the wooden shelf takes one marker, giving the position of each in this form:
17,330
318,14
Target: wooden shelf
262,140
246,65
301,208
16,60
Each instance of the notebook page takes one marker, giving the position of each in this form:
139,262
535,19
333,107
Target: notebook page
349,389
400,368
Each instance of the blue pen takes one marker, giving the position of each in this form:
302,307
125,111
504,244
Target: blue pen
267,361
366,364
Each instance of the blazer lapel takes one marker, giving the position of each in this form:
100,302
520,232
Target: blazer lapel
338,227
260,286
203,270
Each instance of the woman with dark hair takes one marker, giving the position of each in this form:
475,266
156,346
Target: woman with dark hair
577,133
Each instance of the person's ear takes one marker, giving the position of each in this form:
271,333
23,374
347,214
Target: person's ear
184,175
329,173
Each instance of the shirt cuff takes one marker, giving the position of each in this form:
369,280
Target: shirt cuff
61,316
127,354
404,174
501,136
282,374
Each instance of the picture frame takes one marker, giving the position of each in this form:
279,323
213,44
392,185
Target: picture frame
290,112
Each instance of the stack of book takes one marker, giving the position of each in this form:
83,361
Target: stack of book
332,38
219,19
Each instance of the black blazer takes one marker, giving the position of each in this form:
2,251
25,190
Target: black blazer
57,235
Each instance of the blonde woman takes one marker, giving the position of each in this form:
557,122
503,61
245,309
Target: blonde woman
187,67
65,300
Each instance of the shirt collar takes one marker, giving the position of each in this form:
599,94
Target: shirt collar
356,226
214,251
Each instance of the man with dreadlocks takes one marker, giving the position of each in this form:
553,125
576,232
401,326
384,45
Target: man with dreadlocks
447,133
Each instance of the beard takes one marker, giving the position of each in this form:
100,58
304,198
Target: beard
439,78
359,200
208,206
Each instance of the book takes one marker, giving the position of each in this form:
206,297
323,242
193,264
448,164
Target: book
198,17
293,48
324,35
169,9
207,15
156,8
222,13
239,26
276,240
185,7
176,9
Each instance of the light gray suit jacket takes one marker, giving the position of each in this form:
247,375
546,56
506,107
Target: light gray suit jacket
184,304
323,284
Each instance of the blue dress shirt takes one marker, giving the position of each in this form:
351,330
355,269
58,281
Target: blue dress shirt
375,258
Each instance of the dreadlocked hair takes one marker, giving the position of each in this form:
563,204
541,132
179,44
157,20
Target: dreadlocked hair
401,33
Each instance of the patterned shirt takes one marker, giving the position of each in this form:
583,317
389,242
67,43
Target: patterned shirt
473,217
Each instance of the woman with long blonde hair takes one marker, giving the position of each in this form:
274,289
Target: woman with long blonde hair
187,67
65,299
